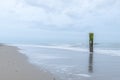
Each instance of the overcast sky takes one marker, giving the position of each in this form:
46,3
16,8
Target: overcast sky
59,20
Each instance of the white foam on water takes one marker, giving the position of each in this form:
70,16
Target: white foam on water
83,75
110,52
64,47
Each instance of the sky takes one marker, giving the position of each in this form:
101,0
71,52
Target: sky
57,21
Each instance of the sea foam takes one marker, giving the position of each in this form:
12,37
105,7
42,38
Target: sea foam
111,52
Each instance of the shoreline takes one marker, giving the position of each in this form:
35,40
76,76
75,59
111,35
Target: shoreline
67,64
75,65
14,66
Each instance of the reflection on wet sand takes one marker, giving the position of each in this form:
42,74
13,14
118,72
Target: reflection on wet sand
90,67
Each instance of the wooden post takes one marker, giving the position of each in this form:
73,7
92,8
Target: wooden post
91,39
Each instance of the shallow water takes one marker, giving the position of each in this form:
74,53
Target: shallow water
68,63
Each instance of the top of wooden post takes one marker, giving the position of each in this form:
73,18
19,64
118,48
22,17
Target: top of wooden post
91,36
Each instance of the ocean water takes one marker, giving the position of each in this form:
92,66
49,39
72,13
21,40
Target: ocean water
74,62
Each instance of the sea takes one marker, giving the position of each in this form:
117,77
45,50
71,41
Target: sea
74,61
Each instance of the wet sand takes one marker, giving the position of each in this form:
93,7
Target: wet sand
14,66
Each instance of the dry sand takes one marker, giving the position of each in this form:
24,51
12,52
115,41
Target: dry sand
14,66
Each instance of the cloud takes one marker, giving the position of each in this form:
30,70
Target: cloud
57,16
76,14
60,13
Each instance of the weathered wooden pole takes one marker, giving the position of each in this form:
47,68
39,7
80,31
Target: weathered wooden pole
91,39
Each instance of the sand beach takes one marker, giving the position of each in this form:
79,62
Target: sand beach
14,66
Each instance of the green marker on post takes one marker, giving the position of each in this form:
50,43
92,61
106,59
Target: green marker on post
91,39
